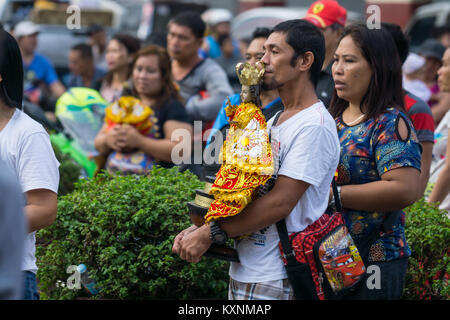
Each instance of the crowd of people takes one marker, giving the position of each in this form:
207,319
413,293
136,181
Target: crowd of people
375,116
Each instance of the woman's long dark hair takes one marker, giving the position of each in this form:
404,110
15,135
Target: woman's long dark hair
385,87
131,44
11,71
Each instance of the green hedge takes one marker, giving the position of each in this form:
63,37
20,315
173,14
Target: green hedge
122,228
69,171
428,235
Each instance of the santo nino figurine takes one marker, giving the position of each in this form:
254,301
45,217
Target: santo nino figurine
246,154
246,159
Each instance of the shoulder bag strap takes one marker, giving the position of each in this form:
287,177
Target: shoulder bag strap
337,199
288,252
281,225
274,123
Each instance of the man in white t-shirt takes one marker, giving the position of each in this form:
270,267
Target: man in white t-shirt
308,157
26,150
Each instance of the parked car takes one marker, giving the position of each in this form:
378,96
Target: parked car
425,19
55,39
245,23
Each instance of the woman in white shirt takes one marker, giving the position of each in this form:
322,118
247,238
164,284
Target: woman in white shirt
440,165
25,148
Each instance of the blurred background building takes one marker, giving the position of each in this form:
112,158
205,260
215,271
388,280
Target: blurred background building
147,19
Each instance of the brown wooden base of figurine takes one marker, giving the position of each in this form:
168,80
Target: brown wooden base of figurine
222,253
197,213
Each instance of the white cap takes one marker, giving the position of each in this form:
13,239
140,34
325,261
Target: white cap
25,28
216,15
413,63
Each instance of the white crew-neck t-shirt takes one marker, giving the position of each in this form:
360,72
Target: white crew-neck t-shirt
309,151
26,149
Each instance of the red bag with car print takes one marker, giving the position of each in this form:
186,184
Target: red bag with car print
322,261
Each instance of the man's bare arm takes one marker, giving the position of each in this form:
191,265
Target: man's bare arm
427,154
263,212
57,89
267,210
440,109
41,208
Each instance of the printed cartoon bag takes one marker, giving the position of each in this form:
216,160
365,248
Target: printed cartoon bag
339,260
322,261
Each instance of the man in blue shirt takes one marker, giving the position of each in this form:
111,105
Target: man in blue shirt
38,70
219,22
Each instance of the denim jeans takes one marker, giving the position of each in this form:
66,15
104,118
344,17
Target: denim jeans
30,286
388,286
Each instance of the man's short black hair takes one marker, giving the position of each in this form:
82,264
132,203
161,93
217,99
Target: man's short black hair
303,36
84,49
94,28
400,39
261,32
336,26
440,31
192,20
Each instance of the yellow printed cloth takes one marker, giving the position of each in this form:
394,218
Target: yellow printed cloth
131,111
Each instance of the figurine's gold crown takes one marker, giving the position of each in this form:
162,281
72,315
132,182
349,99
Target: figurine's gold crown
250,75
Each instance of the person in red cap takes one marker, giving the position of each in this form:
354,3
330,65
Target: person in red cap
329,17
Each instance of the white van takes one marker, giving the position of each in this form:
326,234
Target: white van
425,19
246,22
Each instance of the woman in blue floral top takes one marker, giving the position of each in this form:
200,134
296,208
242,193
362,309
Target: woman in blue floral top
379,167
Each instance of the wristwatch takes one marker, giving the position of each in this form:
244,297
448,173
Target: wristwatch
217,235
